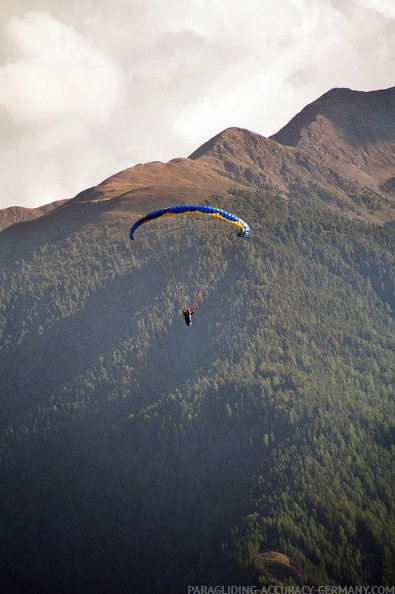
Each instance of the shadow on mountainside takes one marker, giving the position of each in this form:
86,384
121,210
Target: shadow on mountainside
71,347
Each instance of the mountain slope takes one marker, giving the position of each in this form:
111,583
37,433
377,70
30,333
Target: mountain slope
361,118
123,198
17,214
340,150
345,126
138,454
133,191
154,454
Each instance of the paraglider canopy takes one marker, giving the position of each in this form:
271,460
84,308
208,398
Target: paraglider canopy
193,209
192,251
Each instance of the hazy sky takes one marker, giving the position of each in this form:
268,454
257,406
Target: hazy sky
90,87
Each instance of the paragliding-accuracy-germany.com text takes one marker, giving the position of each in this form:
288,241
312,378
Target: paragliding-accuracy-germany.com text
291,590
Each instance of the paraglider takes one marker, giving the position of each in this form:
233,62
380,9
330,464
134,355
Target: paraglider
188,313
193,209
191,255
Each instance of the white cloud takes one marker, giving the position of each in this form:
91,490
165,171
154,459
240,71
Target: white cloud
58,74
56,89
384,7
86,90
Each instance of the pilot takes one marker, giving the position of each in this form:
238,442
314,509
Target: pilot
188,313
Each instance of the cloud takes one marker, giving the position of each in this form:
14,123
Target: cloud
384,7
55,89
86,90
283,57
58,75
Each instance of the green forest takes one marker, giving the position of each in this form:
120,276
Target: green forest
254,448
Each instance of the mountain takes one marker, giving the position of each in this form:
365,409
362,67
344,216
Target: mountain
359,118
353,133
342,147
17,214
257,446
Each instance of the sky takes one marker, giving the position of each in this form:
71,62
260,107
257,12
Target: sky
91,87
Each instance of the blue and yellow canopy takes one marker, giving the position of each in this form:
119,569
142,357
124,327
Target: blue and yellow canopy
193,209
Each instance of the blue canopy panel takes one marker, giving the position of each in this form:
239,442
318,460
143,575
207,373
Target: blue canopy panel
193,209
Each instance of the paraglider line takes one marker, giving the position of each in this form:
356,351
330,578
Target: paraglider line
172,282
196,289
209,278
178,291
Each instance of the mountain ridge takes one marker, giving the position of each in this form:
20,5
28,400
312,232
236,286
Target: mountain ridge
18,214
342,143
346,108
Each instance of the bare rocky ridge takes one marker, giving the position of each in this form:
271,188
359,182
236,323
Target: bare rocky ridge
342,144
360,118
18,214
351,131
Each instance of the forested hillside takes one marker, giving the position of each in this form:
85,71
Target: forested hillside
139,455
256,447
